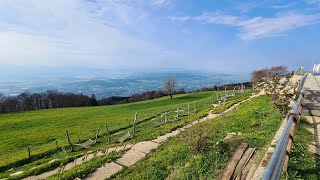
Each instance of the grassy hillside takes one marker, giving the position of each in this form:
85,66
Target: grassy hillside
256,120
42,128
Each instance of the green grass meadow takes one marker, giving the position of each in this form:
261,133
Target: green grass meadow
41,129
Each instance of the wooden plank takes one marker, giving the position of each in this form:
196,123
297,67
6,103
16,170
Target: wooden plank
243,161
250,169
234,161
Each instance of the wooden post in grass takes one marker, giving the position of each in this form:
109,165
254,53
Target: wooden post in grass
107,130
97,134
29,154
177,113
134,124
234,89
69,140
188,109
194,107
165,117
225,91
57,144
217,96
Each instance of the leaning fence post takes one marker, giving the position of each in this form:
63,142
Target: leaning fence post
177,113
165,117
134,124
29,154
97,134
194,107
107,130
57,144
69,140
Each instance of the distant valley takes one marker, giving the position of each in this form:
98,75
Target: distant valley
106,83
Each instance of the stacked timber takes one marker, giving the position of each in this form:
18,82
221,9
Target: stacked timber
242,165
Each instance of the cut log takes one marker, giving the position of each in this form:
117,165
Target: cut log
234,161
250,169
243,162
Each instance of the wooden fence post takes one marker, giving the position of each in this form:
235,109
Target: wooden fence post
177,113
107,130
194,106
134,124
69,140
29,154
97,134
188,109
57,144
165,117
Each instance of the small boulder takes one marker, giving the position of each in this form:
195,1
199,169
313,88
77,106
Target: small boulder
229,136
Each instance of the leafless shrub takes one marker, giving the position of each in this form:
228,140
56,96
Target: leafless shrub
197,138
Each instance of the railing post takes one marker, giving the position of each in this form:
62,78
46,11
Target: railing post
290,141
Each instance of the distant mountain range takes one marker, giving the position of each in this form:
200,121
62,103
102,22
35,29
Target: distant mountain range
104,83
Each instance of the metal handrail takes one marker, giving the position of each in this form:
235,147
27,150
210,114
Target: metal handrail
301,83
280,157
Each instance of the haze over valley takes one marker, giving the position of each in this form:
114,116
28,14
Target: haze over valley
106,82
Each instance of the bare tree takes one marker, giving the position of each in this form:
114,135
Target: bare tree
170,85
266,73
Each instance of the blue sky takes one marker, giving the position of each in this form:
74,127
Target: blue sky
208,35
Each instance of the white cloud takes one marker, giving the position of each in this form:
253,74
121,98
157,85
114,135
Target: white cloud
217,18
72,32
180,18
245,7
259,27
160,3
256,27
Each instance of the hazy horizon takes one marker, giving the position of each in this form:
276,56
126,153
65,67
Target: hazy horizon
106,83
209,36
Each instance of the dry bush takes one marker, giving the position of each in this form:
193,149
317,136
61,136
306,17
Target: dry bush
197,138
267,73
